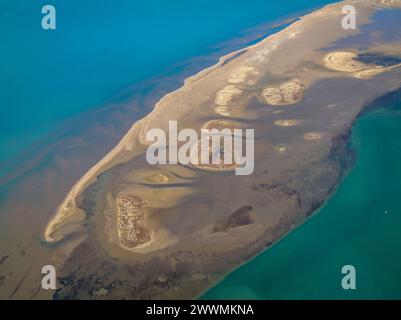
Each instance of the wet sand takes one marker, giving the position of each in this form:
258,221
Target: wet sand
37,181
204,226
200,224
194,227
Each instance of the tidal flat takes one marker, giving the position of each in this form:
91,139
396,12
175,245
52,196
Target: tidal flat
194,233
193,226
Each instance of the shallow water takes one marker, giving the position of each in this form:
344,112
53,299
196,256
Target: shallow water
68,96
384,27
100,48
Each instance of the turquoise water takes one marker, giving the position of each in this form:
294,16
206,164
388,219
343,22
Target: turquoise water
359,225
101,47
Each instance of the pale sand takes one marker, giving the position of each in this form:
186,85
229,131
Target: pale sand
280,149
131,214
287,93
371,72
68,207
151,236
286,122
348,62
282,191
343,61
313,136
390,3
160,176
224,97
220,124
239,75
134,141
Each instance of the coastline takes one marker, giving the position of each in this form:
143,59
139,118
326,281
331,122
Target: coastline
107,164
342,142
352,159
51,165
69,204
122,145
292,205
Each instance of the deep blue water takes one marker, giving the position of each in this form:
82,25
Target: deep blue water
101,47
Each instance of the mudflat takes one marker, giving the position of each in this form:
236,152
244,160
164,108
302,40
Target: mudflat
171,231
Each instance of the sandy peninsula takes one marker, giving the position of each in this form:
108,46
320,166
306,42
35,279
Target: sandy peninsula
172,231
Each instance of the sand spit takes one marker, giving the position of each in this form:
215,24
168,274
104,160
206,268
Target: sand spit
371,72
263,50
348,62
201,222
68,208
67,214
259,54
343,61
287,93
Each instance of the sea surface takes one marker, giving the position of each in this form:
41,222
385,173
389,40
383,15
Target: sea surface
359,226
102,47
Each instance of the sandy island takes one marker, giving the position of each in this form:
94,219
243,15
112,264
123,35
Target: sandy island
172,231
